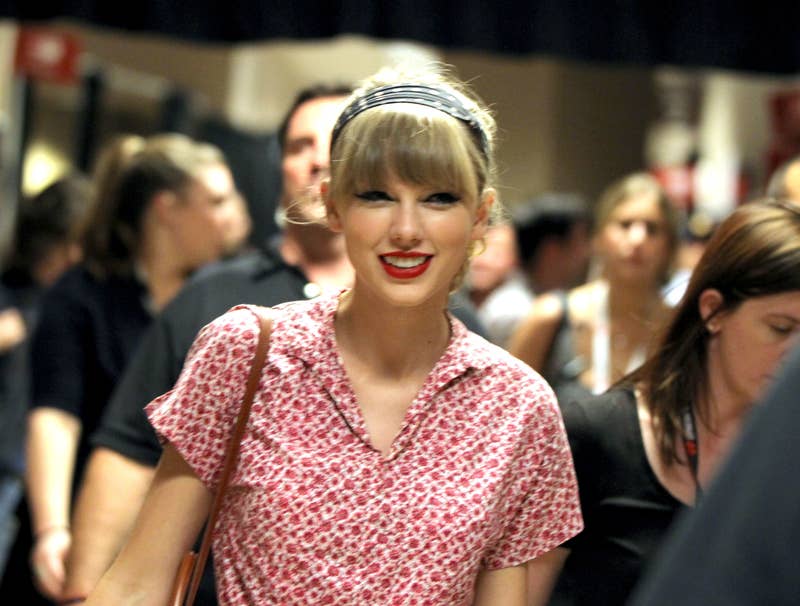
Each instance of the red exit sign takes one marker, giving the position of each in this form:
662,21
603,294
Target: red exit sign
47,54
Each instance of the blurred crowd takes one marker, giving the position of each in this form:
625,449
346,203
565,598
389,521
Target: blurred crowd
626,309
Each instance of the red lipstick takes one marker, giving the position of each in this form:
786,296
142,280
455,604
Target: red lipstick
405,265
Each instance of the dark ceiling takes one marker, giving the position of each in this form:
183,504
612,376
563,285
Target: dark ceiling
734,34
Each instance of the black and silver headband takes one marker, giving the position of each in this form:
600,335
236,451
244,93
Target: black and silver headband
418,94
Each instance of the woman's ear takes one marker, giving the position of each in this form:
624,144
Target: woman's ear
164,204
710,304
331,213
483,213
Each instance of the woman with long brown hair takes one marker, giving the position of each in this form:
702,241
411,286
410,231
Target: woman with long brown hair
646,449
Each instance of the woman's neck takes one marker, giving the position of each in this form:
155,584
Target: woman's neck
633,300
398,341
162,277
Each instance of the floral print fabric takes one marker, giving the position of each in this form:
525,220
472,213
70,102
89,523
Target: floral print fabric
479,476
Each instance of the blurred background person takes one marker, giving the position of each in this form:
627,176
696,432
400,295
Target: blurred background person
648,447
586,339
164,207
785,181
305,261
494,282
544,247
45,244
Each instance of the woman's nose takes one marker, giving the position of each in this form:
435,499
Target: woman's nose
637,232
406,227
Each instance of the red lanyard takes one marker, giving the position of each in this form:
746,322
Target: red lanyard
690,445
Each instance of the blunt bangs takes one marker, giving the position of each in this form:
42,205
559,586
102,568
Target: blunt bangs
413,143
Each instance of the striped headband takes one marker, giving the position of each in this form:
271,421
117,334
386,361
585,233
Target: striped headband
418,94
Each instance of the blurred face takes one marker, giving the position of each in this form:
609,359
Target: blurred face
748,342
792,182
210,217
634,243
306,153
499,258
407,242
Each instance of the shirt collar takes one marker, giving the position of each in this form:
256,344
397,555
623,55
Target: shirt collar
464,351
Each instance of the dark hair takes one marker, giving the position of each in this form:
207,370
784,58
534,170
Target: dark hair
753,253
549,215
129,173
53,216
316,91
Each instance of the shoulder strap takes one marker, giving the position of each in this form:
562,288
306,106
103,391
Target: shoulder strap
232,452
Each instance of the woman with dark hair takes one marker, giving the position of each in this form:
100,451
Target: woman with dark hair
648,447
164,206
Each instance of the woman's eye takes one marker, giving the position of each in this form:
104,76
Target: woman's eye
443,198
373,196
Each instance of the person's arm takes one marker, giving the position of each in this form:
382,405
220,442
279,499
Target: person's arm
12,329
123,460
532,340
502,587
542,575
111,495
51,447
174,510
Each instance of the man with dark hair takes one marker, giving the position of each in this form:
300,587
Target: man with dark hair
553,240
306,260
544,248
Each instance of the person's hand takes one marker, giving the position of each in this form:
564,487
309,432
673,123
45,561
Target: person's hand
12,329
48,561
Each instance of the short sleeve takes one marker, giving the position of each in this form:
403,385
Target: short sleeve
124,427
59,352
197,416
543,507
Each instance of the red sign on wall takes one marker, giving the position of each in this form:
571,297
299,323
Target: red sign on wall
47,54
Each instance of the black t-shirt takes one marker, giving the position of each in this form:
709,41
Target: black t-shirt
255,278
86,332
626,510
739,547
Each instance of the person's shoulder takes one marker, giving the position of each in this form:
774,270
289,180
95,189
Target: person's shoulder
76,285
244,278
600,415
76,278
246,266
496,366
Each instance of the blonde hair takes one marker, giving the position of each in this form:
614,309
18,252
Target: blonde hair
129,172
415,143
634,185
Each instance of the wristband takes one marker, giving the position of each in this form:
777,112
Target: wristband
49,529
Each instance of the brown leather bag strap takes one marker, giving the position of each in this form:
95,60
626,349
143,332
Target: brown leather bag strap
232,453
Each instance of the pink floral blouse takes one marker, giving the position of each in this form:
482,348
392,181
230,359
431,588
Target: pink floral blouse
480,475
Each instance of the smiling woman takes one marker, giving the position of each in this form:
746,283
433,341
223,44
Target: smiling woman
393,456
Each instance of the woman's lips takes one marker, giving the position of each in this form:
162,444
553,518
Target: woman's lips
405,265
